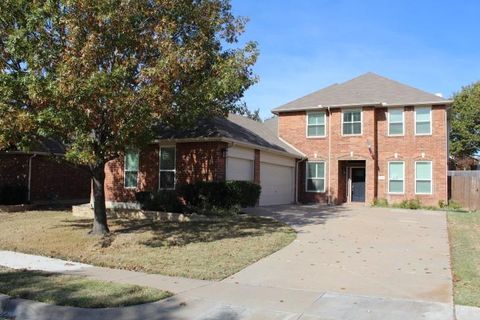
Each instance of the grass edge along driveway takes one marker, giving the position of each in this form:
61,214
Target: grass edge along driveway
464,234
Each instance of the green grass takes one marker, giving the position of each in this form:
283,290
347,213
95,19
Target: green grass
73,291
464,231
201,250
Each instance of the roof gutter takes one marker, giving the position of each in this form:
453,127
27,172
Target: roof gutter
39,153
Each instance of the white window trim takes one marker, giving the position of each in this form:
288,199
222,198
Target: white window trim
388,177
324,124
160,170
415,122
324,177
403,122
431,178
125,171
361,123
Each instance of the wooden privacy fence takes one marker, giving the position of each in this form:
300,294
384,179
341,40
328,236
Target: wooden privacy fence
464,188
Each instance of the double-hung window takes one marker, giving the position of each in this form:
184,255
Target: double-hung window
167,168
395,122
423,120
352,122
396,176
131,165
423,177
315,176
316,124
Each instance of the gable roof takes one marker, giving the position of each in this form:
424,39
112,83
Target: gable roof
234,128
369,89
46,146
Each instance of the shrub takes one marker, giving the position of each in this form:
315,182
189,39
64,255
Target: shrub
409,204
381,202
219,198
13,194
164,200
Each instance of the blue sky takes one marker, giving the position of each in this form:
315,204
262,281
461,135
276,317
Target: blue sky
308,44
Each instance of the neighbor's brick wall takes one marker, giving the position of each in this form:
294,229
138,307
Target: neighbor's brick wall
195,161
52,178
292,128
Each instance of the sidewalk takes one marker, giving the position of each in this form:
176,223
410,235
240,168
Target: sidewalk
205,300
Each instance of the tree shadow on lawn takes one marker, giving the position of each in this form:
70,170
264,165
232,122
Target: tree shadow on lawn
73,290
183,233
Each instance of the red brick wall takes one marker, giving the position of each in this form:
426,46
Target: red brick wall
147,176
349,148
195,161
55,180
52,178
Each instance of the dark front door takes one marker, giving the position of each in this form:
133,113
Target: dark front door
358,185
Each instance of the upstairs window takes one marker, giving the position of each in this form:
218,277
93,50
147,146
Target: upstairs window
395,122
316,124
352,122
396,173
423,120
423,177
315,176
167,168
131,166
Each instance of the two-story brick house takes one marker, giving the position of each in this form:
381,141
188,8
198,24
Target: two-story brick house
369,137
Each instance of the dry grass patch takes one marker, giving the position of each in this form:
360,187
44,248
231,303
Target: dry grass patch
464,230
201,250
73,291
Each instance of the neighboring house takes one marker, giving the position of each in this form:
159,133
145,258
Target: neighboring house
370,137
42,176
218,149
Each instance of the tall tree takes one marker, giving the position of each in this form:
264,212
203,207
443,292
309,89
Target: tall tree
465,122
100,73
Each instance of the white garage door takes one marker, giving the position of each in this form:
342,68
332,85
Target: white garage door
277,183
239,169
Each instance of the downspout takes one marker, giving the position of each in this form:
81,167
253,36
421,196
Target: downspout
29,196
329,155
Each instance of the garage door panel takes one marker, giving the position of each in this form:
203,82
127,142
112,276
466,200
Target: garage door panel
277,184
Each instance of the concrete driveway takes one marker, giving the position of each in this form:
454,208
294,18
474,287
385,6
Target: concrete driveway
358,250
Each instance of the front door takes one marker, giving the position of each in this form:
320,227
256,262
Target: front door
358,185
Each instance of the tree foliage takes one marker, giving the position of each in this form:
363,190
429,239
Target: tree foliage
99,73
465,122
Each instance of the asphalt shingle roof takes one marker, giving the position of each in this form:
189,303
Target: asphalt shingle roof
234,127
367,89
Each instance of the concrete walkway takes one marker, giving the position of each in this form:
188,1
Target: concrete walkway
347,263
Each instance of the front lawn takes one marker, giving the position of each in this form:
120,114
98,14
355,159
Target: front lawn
201,250
464,230
73,291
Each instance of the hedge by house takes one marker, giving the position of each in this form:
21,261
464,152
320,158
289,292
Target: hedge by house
203,197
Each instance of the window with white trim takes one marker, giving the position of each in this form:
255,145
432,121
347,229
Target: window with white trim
395,122
167,168
316,124
352,122
396,176
423,120
130,168
423,177
315,177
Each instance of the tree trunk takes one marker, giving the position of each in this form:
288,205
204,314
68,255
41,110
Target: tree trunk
100,213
